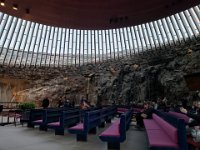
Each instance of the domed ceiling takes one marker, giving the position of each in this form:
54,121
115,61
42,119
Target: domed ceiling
94,14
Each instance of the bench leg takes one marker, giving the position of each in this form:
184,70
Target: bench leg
108,121
191,147
115,146
93,130
81,137
43,128
102,125
29,125
59,132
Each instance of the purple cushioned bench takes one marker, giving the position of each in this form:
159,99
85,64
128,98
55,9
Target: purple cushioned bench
67,119
137,110
150,124
121,110
78,127
38,121
91,121
54,124
113,130
161,134
179,115
116,133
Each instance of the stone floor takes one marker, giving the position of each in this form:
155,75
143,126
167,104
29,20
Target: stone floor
23,138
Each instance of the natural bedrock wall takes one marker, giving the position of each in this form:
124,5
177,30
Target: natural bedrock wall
157,73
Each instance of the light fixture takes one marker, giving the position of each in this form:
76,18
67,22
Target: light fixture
15,7
27,11
2,2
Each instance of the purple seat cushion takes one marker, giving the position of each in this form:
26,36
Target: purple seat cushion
180,116
38,121
158,138
54,124
116,122
150,124
137,109
77,127
121,110
113,130
170,130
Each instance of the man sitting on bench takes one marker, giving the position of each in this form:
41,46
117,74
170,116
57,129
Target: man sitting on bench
195,123
145,114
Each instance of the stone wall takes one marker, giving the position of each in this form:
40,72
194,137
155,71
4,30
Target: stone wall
146,76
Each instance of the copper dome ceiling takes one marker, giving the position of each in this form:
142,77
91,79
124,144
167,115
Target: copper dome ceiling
94,14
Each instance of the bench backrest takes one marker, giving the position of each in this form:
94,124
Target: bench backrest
91,120
137,110
25,116
125,120
70,117
52,115
36,114
170,130
122,109
179,115
108,112
179,124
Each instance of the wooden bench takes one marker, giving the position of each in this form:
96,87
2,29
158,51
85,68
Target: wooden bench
190,140
109,114
180,116
116,133
91,121
36,117
121,110
67,119
165,132
42,117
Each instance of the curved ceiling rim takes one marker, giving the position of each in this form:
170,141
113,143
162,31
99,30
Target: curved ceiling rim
95,20
155,37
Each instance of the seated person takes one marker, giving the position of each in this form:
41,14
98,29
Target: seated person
60,103
45,102
194,124
193,108
84,104
195,117
1,108
145,114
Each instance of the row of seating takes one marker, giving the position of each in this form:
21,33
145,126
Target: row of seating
165,132
59,119
82,122
116,133
190,140
92,120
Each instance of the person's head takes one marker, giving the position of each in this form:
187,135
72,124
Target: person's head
198,104
146,105
194,103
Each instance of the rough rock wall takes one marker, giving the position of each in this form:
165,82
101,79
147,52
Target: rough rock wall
158,73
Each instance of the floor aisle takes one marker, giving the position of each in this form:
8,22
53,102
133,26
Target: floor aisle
23,138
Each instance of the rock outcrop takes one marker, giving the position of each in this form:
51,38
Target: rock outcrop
158,73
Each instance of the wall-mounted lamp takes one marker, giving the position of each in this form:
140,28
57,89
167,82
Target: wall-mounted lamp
2,2
27,11
15,7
